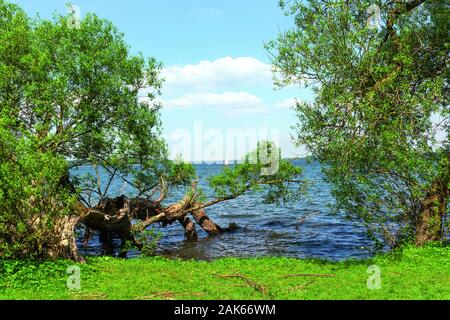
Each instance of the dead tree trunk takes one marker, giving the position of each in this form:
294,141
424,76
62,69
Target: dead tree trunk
206,223
189,228
115,216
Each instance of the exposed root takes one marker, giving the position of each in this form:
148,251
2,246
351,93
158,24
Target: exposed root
169,295
308,275
161,295
300,287
248,281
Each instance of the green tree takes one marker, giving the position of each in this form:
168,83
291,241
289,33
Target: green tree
262,171
70,96
32,204
379,80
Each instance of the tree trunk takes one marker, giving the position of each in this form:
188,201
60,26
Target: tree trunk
111,216
206,223
189,228
429,225
64,243
431,216
114,216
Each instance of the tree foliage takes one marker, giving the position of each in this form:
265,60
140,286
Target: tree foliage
378,89
262,170
71,94
31,199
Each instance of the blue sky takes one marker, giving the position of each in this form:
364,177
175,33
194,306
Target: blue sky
218,75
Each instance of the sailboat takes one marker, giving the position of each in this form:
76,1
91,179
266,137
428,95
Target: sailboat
226,162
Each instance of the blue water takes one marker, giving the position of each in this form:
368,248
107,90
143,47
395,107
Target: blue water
265,230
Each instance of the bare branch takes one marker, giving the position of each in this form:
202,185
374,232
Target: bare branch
163,190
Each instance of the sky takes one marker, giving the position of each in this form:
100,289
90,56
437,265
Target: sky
218,97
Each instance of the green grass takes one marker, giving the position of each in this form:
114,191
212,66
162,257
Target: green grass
411,274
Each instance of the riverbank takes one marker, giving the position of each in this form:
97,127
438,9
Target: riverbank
413,273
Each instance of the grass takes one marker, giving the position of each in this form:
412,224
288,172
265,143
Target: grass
413,273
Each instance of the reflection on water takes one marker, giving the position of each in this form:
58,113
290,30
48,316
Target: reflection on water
265,230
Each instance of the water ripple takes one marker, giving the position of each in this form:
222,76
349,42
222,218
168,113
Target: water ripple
265,230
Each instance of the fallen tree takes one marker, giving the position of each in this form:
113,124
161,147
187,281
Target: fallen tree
76,93
115,216
123,217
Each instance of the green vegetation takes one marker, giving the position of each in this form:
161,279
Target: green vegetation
67,93
77,93
70,96
414,273
377,87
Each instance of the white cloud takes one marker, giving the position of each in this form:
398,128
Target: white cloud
226,72
228,102
287,103
230,85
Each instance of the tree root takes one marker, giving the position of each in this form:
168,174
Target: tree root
308,275
248,281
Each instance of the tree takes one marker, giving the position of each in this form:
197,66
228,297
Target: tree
378,86
34,212
70,96
262,171
68,93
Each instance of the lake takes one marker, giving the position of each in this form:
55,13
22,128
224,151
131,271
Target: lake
265,230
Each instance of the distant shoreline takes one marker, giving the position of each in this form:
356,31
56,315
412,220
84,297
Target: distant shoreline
83,163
